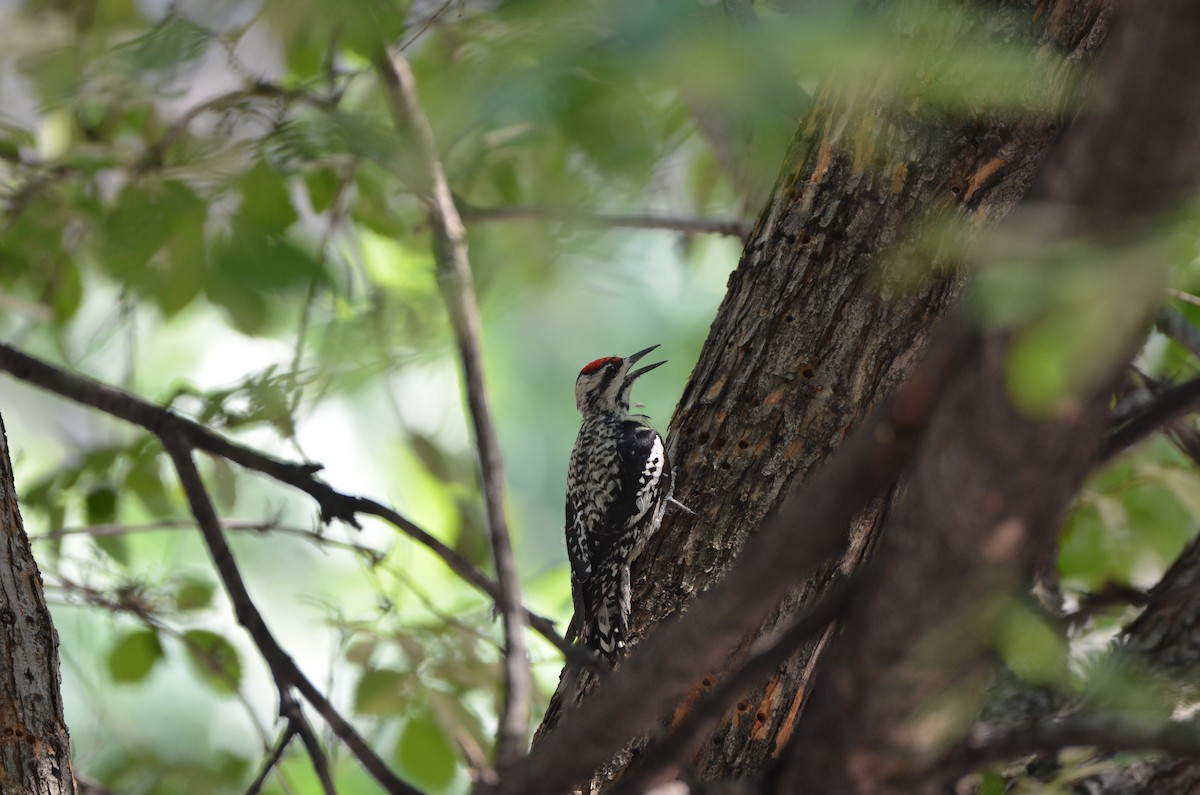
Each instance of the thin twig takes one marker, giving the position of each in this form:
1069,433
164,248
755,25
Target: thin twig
426,25
1170,405
332,503
283,668
1180,295
272,759
428,179
730,227
129,601
260,527
296,719
1170,321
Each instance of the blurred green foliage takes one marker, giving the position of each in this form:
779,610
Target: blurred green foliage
203,204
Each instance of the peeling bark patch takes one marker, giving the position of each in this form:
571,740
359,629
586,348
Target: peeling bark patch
983,176
760,730
789,723
774,397
715,390
1005,541
824,157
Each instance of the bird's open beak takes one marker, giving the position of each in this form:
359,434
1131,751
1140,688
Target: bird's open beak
642,370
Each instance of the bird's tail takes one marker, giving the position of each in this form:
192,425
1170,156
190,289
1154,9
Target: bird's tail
607,622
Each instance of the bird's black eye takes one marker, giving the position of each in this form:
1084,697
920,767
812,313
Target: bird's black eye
592,367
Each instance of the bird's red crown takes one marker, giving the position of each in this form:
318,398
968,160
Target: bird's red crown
592,367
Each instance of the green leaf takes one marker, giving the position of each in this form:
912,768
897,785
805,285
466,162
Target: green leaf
369,24
381,692
247,309
225,480
248,266
269,402
373,208
145,481
167,218
186,264
215,659
322,187
424,754
1031,647
134,656
116,547
65,291
101,505
262,263
266,206
175,41
1083,557
992,783
192,593
137,228
361,650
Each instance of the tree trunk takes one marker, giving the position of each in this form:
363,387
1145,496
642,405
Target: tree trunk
35,750
830,305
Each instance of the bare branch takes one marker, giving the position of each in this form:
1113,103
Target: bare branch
730,227
259,527
332,503
1170,321
283,668
272,759
656,676
1106,732
1167,407
655,765
295,718
457,286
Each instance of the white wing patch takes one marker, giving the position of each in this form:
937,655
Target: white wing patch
648,481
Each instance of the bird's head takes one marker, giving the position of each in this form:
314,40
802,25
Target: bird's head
603,386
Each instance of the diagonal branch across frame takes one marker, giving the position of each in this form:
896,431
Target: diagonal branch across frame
333,504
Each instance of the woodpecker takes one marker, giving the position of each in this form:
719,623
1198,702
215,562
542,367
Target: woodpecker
618,486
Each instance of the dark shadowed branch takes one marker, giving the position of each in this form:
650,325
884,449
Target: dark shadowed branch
333,504
428,179
283,668
1165,408
294,713
657,676
1171,321
1124,732
659,760
988,495
272,759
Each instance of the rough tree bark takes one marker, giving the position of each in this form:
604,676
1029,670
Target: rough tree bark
35,749
822,318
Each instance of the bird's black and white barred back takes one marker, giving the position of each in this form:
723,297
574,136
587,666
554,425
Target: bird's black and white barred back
618,485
